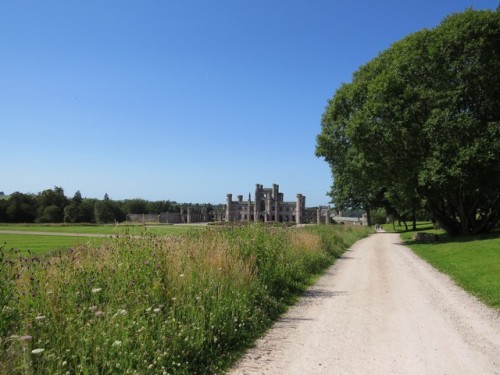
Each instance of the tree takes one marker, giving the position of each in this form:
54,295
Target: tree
79,210
51,203
421,122
21,208
108,211
135,206
77,198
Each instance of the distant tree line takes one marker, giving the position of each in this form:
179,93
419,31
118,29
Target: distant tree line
52,206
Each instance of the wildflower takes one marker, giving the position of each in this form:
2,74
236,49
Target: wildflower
121,312
40,317
117,343
148,309
37,351
156,310
96,290
181,275
99,313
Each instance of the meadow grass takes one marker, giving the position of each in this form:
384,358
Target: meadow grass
472,262
157,304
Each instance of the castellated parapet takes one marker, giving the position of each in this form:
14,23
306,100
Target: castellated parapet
269,206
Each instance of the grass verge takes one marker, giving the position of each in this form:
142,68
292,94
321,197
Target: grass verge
472,262
157,304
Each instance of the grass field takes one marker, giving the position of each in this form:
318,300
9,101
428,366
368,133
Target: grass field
472,262
98,229
37,245
33,245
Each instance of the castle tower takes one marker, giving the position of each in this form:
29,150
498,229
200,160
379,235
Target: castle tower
249,208
299,209
229,201
276,199
258,202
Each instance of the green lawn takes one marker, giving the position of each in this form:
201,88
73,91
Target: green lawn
33,245
42,244
472,262
97,229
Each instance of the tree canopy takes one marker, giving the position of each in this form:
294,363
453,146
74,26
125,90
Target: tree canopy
420,125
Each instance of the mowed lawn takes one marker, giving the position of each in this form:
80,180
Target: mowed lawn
36,245
98,229
472,262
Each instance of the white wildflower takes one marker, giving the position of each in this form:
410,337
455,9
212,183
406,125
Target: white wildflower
96,290
37,351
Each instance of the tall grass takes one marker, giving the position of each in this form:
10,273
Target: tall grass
156,304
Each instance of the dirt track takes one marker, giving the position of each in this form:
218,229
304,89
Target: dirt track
381,310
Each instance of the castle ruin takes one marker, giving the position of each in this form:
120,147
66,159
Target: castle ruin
269,206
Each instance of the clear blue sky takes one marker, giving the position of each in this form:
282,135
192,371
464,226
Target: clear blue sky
185,100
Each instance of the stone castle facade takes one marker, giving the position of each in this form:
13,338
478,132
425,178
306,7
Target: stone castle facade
268,206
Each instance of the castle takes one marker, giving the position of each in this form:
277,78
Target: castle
269,205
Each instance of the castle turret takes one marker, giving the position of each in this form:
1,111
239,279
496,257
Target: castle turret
229,201
299,209
249,208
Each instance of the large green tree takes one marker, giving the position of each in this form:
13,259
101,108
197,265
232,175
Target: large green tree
421,123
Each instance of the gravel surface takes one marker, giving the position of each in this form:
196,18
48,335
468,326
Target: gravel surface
380,310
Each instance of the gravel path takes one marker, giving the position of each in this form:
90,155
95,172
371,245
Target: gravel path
380,310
